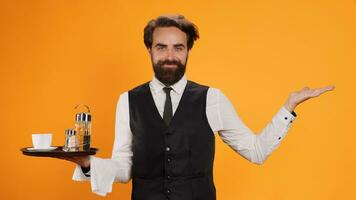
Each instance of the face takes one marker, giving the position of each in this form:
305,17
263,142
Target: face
169,54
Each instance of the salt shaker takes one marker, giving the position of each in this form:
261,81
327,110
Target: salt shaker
70,142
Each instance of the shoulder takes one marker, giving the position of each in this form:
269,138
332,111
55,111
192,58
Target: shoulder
124,96
139,88
197,87
212,92
214,95
217,96
122,99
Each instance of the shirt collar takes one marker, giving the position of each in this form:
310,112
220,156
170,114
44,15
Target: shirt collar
178,87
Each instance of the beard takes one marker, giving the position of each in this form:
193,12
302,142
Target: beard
169,75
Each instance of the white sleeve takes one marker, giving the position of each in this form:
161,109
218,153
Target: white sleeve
103,172
254,147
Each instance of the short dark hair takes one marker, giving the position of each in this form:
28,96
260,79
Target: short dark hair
178,21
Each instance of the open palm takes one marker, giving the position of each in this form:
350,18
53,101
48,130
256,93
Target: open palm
295,98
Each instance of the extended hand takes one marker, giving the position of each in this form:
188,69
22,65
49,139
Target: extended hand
306,93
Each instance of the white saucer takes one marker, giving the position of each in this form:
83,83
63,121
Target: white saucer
45,149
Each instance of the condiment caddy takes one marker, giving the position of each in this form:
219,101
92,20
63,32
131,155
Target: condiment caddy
77,140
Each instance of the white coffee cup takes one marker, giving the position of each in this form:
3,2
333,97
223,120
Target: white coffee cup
42,140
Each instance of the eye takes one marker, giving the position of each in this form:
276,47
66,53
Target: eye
160,48
179,48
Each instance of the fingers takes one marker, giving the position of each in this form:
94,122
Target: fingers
319,91
306,92
329,88
305,89
325,89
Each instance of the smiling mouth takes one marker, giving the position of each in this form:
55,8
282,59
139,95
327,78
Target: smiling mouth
170,65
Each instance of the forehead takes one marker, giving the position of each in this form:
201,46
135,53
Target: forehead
169,35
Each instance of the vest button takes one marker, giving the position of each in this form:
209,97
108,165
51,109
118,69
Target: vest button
168,191
169,160
168,148
168,177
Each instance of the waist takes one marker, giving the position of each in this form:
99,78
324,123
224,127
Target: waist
174,178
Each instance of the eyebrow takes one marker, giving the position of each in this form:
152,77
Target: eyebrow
161,45
179,45
164,45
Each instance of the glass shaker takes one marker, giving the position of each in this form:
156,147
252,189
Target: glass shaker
83,128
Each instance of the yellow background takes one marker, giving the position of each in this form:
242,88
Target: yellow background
56,54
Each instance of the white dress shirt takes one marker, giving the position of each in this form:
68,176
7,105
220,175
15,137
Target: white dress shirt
222,119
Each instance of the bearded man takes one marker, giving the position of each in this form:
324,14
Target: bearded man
165,128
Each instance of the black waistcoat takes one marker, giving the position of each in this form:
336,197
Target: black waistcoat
176,161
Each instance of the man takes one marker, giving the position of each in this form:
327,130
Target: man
164,136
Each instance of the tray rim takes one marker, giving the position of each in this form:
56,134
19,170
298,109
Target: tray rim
58,153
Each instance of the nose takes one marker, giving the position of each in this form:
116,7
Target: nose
170,54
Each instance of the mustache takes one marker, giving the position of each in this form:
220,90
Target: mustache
169,62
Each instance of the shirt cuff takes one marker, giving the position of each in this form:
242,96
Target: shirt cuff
282,121
286,117
78,174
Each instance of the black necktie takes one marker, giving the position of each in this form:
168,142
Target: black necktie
167,113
